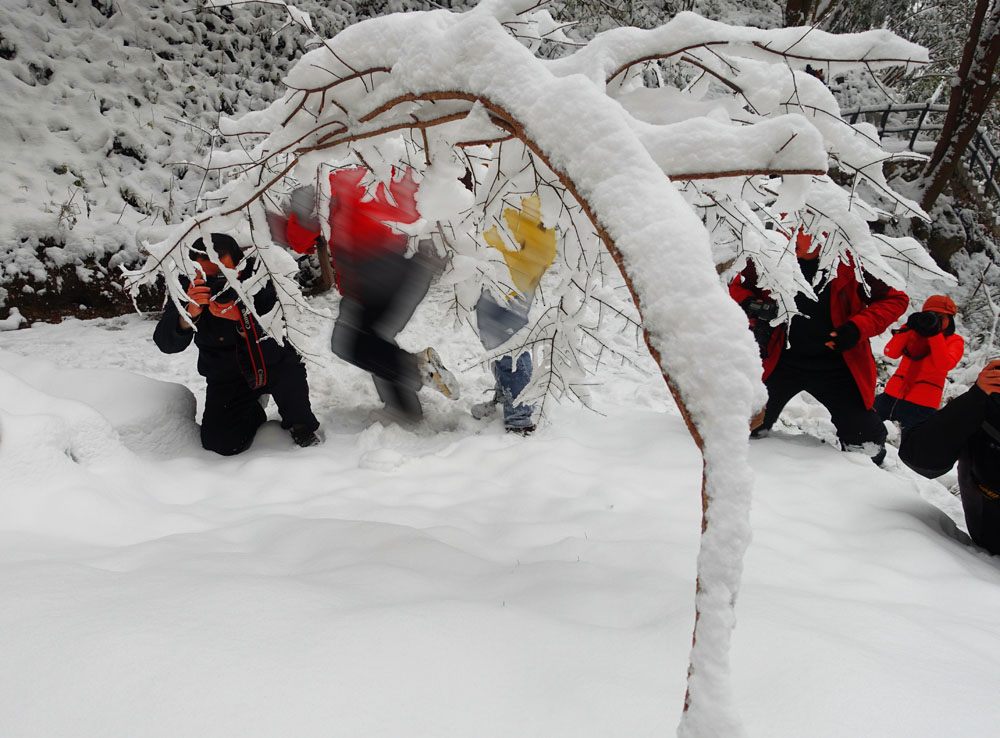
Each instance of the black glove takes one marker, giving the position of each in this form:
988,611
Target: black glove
844,336
927,323
762,333
766,310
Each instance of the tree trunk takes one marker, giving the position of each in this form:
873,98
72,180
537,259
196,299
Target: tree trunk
971,94
797,12
326,276
813,12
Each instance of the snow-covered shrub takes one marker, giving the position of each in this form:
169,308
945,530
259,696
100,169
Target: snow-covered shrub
103,103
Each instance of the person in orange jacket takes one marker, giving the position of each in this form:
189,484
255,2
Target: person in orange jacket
928,348
828,354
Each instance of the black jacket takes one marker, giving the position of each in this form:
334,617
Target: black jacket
966,430
218,339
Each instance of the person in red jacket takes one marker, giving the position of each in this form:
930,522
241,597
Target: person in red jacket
828,354
380,286
928,348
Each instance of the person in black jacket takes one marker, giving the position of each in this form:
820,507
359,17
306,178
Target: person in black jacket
967,429
240,363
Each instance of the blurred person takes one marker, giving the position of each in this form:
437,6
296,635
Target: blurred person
817,73
498,322
298,229
966,430
381,288
240,363
928,348
828,354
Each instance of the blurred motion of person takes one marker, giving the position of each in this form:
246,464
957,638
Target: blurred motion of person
498,322
381,288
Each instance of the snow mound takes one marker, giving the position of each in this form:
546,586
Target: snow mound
88,414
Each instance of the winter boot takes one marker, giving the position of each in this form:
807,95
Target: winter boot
304,437
434,374
483,410
521,430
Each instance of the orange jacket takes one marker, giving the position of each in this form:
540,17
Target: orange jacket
924,364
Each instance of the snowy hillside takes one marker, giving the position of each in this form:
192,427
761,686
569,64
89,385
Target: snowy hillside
453,580
106,105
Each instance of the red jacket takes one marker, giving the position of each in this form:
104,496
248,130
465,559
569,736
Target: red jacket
872,314
359,227
302,240
925,362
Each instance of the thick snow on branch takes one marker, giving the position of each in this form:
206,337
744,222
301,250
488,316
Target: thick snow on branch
612,51
788,144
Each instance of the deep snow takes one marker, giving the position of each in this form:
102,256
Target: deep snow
450,580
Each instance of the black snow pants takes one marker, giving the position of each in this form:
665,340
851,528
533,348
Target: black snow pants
233,411
831,383
982,510
380,296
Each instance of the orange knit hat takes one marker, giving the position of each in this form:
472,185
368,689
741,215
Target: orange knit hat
940,304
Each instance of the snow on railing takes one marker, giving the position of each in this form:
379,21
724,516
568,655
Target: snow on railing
982,157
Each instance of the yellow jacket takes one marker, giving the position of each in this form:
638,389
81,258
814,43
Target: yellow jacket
538,245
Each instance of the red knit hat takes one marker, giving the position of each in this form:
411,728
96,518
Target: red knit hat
940,304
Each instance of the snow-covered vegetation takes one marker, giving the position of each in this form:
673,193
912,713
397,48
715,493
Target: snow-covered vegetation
105,105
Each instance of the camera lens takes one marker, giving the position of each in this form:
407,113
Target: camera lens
216,284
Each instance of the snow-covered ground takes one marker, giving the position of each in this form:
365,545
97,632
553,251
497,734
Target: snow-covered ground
450,580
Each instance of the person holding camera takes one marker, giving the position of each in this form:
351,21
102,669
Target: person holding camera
240,363
825,350
966,430
928,348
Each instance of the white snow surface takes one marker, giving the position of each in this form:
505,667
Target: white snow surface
450,580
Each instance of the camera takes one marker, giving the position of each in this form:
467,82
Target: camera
926,323
760,309
761,312
216,284
219,289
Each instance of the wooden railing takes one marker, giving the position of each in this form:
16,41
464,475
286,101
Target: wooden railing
914,118
982,157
